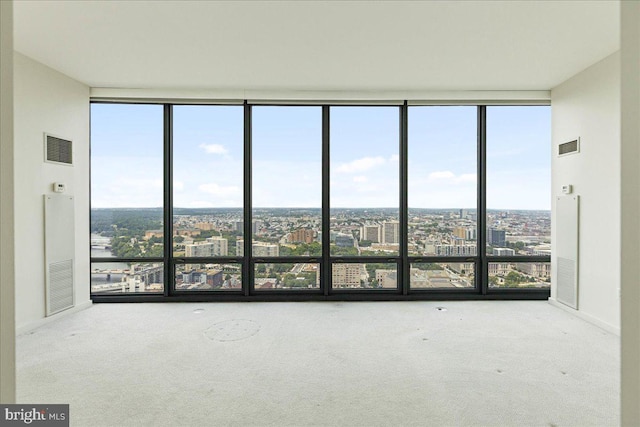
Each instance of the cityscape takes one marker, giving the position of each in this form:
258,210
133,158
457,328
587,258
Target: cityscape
277,233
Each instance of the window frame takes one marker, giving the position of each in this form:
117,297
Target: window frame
403,261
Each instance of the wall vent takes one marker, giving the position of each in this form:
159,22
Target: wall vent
567,283
57,150
570,147
567,244
59,252
60,289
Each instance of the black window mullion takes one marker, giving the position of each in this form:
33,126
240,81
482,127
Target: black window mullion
403,264
247,266
169,273
482,273
325,274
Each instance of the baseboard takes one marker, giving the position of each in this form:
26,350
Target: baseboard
38,323
586,317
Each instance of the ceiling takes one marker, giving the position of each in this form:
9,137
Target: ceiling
313,45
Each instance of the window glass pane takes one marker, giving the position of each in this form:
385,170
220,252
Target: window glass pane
520,275
287,276
371,276
126,278
442,181
519,180
127,180
208,277
287,181
208,146
364,181
426,275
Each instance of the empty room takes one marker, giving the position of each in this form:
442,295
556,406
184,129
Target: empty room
333,213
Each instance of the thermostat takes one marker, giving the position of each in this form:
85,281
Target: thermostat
567,189
59,187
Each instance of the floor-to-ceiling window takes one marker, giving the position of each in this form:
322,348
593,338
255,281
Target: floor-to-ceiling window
127,203
518,197
208,216
216,202
443,196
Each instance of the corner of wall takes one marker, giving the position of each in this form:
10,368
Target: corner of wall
588,106
47,101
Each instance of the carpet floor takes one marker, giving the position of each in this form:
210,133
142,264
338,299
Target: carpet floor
488,363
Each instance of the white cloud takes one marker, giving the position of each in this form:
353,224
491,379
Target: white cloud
178,185
452,178
214,148
467,177
360,178
394,158
360,165
219,190
440,175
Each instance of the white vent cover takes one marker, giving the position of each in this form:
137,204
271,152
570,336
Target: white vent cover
567,283
59,232
570,147
58,150
60,290
567,208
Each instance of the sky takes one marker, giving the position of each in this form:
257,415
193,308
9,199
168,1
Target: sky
127,163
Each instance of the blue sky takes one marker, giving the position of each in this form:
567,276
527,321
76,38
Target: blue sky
208,158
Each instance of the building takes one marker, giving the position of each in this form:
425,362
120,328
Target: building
213,246
466,233
370,232
205,226
302,235
387,278
496,237
455,250
347,275
503,252
200,279
540,270
391,232
259,248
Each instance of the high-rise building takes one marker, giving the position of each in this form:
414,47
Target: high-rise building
370,232
346,275
302,235
466,233
213,246
496,237
259,248
391,232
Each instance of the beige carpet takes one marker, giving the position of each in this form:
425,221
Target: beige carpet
335,364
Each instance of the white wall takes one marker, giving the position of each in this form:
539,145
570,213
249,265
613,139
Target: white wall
588,106
7,307
630,85
47,101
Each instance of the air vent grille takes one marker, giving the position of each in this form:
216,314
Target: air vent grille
567,286
570,147
60,295
58,150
